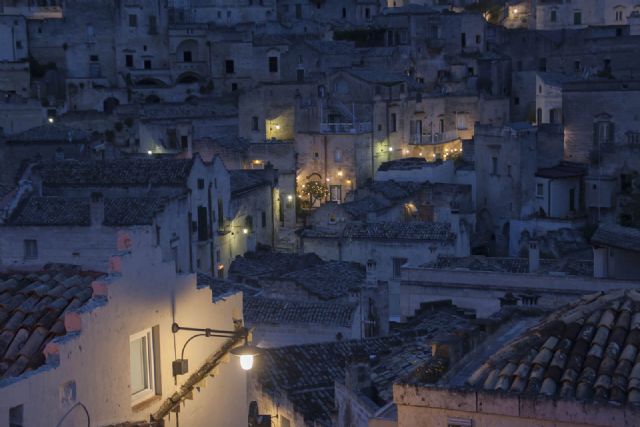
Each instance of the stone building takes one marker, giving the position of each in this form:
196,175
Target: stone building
79,345
85,204
558,371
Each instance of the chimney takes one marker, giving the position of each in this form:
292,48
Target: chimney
371,272
358,371
534,256
96,209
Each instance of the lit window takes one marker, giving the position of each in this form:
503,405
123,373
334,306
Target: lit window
30,249
142,365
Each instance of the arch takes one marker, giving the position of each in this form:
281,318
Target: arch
187,78
150,82
187,51
110,104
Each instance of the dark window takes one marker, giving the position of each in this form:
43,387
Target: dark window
577,18
516,101
397,264
229,66
184,141
478,39
463,39
133,20
202,222
220,215
93,58
298,11
344,13
264,219
147,64
129,60
367,13
153,27
186,56
394,124
200,183
494,166
30,249
234,87
572,199
554,16
542,64
254,123
576,65
300,75
16,418
18,44
273,64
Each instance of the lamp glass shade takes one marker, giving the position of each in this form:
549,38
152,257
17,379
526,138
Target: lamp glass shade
246,361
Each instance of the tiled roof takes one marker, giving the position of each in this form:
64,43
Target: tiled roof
56,211
247,179
272,310
32,308
329,280
569,266
400,231
333,47
617,236
222,288
588,350
369,204
52,211
306,373
271,264
141,171
50,133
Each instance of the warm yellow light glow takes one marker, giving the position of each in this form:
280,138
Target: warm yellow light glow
289,197
390,149
246,361
51,120
149,152
245,231
339,173
256,162
348,181
328,179
420,154
220,266
277,127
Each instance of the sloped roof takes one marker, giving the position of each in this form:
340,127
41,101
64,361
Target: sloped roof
588,350
140,171
61,211
244,180
52,133
414,230
272,310
617,236
32,308
306,373
271,264
329,280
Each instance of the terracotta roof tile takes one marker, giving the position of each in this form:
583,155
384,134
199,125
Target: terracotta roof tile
599,360
31,310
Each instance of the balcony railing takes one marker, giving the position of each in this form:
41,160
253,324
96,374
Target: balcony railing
362,127
434,138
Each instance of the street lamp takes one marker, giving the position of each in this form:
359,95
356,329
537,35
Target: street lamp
245,352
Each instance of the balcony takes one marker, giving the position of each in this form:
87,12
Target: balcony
434,138
348,128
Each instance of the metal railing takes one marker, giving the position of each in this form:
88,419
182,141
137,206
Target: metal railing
362,127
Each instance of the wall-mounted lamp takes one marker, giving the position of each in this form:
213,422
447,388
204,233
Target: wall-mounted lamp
149,152
289,198
50,120
245,352
245,231
390,149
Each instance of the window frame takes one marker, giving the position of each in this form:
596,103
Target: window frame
30,254
150,390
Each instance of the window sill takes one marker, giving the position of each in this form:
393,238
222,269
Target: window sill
144,403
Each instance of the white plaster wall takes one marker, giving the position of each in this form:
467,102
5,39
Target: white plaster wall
147,294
